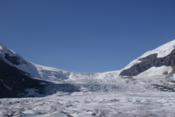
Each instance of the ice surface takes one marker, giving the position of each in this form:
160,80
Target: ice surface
101,95
149,104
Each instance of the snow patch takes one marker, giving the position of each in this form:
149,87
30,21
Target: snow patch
156,71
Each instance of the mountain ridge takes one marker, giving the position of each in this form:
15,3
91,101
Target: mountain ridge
164,55
16,71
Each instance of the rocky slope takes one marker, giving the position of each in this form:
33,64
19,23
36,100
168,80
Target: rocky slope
15,83
163,56
31,69
20,78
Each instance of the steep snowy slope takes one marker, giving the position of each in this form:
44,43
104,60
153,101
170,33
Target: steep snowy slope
160,61
15,82
15,60
20,78
55,75
31,69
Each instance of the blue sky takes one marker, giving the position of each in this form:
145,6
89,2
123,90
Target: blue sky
85,35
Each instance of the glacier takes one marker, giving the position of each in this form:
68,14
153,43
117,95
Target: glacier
106,94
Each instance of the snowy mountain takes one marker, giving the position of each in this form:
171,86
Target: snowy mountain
157,62
144,88
15,60
21,78
31,69
15,83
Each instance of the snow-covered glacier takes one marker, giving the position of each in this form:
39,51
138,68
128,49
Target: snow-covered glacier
144,88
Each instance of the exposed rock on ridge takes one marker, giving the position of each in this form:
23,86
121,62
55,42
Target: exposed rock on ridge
148,62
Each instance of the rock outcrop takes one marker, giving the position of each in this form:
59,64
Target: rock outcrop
148,62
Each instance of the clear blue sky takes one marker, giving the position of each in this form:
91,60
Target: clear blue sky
85,35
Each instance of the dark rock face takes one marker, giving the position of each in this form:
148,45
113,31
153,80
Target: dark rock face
14,83
14,59
148,62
